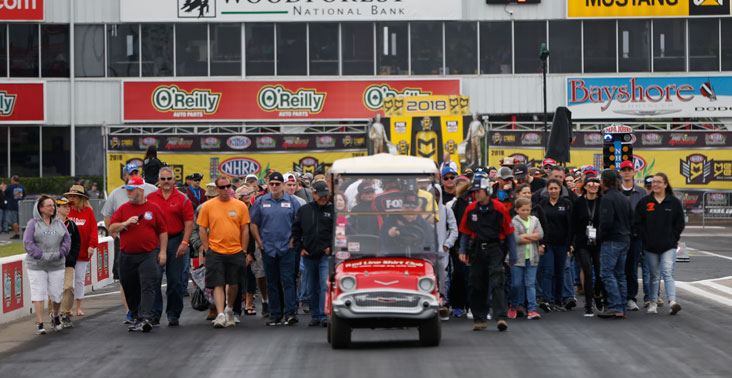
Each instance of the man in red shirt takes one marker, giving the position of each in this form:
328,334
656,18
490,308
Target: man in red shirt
143,242
179,220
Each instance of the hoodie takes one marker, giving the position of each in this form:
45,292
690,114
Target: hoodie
447,230
46,245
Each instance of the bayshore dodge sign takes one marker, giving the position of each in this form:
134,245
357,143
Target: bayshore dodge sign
177,101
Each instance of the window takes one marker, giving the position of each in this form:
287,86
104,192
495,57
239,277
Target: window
4,155
461,48
426,48
89,50
226,50
323,49
191,50
55,50
3,55
564,45
24,155
123,51
89,161
291,49
23,50
157,50
669,45
57,151
495,48
599,46
529,35
260,49
358,48
634,45
703,45
727,44
391,49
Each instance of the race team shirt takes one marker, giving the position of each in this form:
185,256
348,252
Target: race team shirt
87,225
176,209
143,236
224,220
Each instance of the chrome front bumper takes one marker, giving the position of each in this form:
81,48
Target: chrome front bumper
380,303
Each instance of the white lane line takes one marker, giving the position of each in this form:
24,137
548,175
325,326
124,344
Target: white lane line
101,295
712,280
705,227
709,253
702,293
718,287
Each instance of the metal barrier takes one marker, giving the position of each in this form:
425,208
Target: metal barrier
25,210
716,205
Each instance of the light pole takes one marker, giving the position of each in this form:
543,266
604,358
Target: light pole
543,55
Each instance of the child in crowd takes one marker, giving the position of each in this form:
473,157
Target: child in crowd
528,233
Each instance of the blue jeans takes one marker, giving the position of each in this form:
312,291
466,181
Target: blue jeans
612,272
631,267
280,269
304,279
316,271
569,279
552,274
661,265
173,270
523,278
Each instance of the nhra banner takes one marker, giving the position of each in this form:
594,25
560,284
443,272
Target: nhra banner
287,10
211,165
180,101
240,143
22,103
646,8
649,97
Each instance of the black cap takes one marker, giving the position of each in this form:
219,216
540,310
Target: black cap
196,177
648,180
321,189
365,187
520,171
411,200
189,177
276,176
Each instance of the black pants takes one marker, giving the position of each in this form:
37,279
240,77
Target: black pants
458,283
139,275
589,258
486,267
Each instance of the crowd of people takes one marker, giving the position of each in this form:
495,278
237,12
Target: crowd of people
513,241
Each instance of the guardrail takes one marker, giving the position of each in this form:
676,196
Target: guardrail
25,210
16,299
716,205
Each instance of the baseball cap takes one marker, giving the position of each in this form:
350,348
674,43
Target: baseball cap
211,190
411,200
307,176
196,177
482,183
276,176
135,183
62,201
364,187
447,170
550,162
648,180
627,164
520,171
129,168
588,170
251,177
321,188
505,173
288,177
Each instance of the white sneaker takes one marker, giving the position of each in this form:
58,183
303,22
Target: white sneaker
675,308
220,321
230,319
489,317
652,308
236,319
632,306
470,315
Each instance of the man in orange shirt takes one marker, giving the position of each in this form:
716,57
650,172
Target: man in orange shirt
223,224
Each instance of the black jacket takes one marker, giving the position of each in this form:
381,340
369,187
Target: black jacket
616,217
581,219
150,170
559,221
659,224
75,243
313,229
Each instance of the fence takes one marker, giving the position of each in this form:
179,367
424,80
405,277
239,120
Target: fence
25,210
716,205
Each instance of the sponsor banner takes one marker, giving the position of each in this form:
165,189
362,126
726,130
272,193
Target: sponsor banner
287,10
12,286
429,137
649,97
102,261
240,143
646,8
22,102
21,10
427,106
180,101
213,164
686,168
643,139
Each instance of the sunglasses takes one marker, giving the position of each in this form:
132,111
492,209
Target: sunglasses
449,178
222,187
167,178
275,183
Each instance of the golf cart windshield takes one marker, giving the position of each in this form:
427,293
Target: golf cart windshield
385,216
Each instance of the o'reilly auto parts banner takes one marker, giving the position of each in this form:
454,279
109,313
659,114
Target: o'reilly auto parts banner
646,8
22,103
287,10
260,100
21,10
649,97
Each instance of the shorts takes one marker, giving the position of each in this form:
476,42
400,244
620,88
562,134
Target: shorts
224,269
11,216
44,285
257,266
117,254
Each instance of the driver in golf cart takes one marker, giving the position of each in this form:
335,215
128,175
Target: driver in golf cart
407,233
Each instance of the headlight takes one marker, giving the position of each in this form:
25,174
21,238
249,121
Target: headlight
426,284
347,283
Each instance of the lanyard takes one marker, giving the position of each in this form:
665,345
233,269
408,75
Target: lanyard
197,193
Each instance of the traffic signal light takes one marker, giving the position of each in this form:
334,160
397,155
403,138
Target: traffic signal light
616,148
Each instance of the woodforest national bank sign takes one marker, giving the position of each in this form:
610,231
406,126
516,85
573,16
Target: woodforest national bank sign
287,10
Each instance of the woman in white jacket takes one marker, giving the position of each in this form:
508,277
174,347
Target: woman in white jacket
447,233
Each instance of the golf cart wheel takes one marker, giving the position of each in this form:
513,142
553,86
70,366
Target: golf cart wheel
340,333
430,332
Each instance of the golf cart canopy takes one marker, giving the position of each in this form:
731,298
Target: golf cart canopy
384,164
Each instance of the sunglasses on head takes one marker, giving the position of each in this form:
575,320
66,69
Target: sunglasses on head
227,186
166,178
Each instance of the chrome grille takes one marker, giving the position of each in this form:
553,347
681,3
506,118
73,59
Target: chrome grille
386,299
